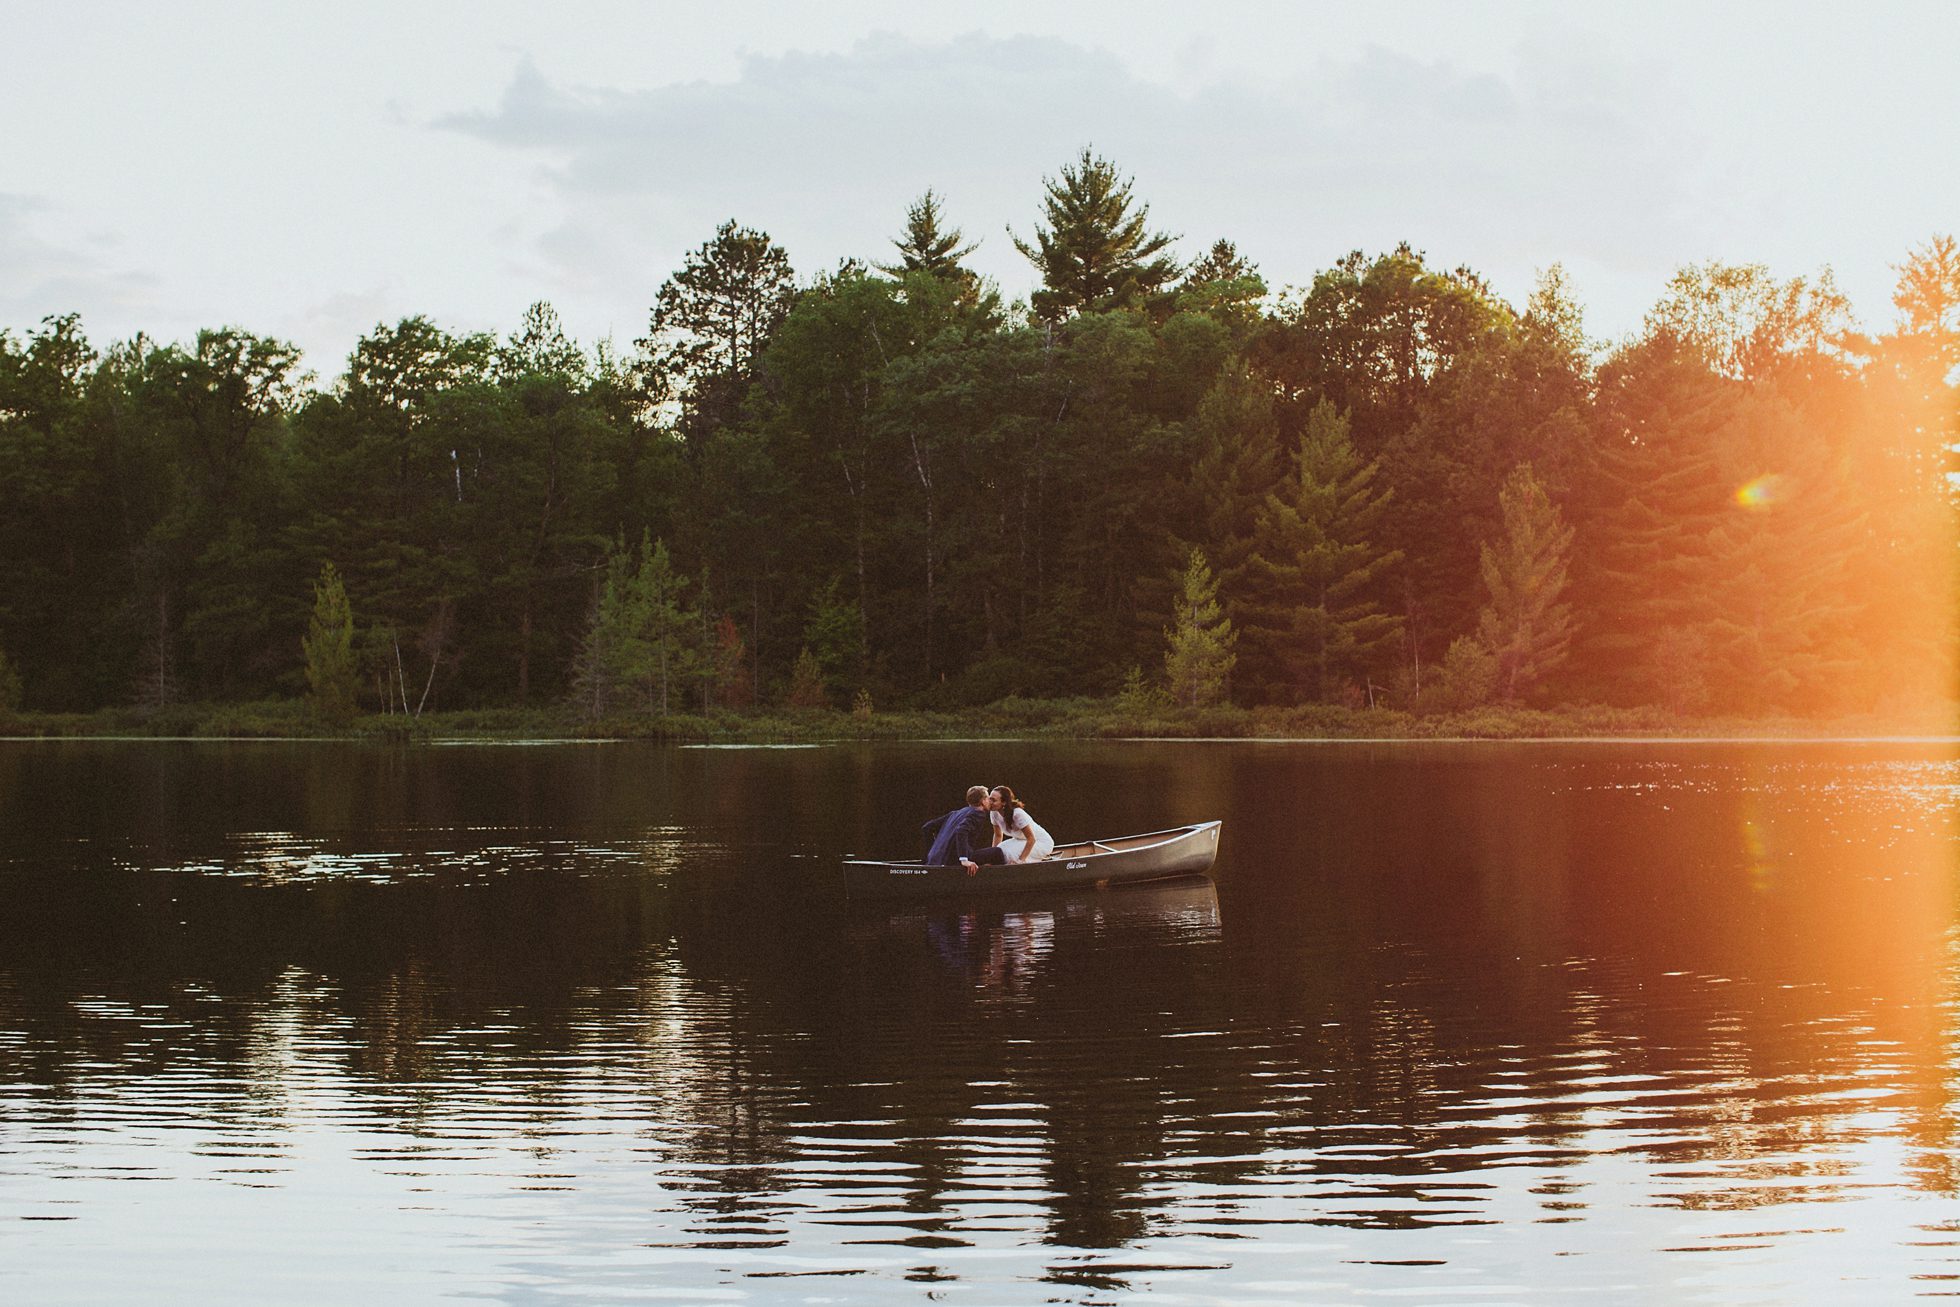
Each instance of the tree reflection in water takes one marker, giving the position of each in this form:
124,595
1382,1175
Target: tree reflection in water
1612,1003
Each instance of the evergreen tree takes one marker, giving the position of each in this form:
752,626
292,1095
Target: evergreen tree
710,324
331,675
1226,286
834,635
1525,624
928,246
1096,251
603,655
540,348
666,656
1467,678
1772,592
1647,511
1308,595
10,688
806,687
643,636
1199,659
1236,434
1221,263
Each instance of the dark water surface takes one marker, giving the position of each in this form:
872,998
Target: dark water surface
1473,1023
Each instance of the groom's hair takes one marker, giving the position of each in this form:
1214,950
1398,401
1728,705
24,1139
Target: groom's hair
974,794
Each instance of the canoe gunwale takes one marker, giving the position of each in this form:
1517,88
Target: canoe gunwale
1148,856
1101,848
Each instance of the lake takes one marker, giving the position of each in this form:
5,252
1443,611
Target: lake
1543,1023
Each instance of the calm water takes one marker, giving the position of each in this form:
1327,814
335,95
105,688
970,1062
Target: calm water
1543,1023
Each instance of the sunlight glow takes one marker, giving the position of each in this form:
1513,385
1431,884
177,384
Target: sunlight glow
1760,493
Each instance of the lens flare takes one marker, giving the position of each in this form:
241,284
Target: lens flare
1760,493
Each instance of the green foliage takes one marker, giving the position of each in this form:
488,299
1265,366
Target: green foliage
331,684
710,323
645,646
1468,678
1744,322
10,688
1526,625
1199,658
1096,251
947,504
834,635
1226,287
931,248
806,687
732,678
1239,462
1138,697
1308,593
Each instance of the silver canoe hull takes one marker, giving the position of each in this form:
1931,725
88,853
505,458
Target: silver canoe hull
1159,855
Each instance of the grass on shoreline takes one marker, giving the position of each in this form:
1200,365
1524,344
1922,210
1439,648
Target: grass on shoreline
1062,719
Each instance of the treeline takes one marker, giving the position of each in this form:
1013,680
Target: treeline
884,485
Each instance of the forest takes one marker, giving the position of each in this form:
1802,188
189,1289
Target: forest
882,485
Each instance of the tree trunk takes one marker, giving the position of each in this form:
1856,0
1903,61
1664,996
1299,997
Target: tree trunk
524,653
919,464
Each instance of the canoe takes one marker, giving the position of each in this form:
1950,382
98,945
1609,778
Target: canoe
1159,855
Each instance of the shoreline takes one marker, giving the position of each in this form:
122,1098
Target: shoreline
1010,720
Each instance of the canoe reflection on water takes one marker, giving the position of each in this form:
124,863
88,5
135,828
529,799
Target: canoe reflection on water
1003,947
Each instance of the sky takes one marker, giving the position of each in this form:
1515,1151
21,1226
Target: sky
308,171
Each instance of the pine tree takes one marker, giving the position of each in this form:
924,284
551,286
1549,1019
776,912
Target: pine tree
710,323
596,678
1648,512
643,635
927,246
1308,594
668,652
331,675
1221,263
1525,624
540,347
1225,286
1096,251
1198,662
806,683
1215,503
10,688
1238,463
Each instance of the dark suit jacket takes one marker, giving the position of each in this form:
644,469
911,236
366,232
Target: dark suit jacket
957,835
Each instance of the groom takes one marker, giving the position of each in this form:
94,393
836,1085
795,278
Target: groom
960,832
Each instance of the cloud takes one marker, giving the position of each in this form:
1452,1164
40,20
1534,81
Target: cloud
1559,157
41,276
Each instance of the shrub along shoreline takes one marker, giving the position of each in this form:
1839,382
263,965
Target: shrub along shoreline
1057,719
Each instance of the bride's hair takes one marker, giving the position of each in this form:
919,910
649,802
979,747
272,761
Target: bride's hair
1008,803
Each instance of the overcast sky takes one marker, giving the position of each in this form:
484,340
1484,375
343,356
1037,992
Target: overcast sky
309,170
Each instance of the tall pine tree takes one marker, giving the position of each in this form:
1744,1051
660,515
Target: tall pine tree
1308,595
1096,251
1526,624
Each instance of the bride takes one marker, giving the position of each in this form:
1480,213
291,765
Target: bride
1012,825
